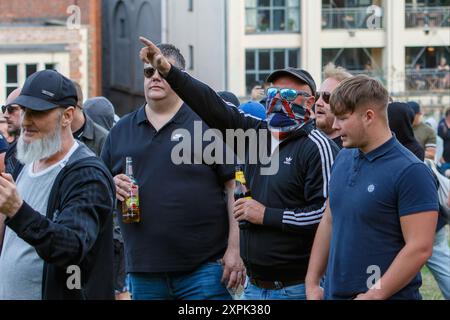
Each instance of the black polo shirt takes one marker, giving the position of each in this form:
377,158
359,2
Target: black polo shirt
184,221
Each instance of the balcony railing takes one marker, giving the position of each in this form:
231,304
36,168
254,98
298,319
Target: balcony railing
346,18
419,17
427,80
376,73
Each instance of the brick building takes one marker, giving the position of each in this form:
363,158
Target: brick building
54,34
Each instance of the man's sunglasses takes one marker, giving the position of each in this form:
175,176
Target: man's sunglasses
149,72
10,108
325,96
286,93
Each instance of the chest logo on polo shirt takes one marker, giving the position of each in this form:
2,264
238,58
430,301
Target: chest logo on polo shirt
371,188
177,137
288,161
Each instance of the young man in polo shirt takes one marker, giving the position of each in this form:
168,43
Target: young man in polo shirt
187,242
378,229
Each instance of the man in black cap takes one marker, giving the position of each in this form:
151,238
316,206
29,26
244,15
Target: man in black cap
286,207
58,203
85,129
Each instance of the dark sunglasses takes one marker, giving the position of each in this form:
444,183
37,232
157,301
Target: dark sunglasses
325,96
149,72
286,93
10,109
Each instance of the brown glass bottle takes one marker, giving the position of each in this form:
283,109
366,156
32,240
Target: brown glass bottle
130,207
241,190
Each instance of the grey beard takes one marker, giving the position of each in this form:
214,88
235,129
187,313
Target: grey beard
46,147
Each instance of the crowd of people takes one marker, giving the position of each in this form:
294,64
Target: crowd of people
351,213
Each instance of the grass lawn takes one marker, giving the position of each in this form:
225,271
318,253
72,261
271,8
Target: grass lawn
429,289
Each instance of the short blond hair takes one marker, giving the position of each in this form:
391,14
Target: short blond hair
337,73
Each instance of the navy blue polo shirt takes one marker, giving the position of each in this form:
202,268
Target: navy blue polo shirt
369,193
184,221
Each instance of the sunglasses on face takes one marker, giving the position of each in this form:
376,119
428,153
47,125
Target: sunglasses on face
286,93
149,72
325,96
10,109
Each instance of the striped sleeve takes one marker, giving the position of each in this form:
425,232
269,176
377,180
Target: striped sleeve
315,189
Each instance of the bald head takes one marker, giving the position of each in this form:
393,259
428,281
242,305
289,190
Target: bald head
12,96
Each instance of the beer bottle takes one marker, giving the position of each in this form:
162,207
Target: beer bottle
130,207
241,190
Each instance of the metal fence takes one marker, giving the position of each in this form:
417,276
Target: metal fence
417,17
346,18
427,80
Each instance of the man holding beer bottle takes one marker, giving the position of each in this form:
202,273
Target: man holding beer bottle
185,243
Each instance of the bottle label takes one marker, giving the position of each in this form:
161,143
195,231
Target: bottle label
133,200
240,177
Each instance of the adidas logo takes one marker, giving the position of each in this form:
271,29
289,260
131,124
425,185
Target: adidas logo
288,161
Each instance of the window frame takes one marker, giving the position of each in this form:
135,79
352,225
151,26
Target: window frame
257,72
272,8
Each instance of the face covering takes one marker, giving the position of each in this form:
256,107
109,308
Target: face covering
284,116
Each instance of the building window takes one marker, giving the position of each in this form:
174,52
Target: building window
259,63
427,13
12,78
368,61
191,57
30,69
272,16
191,5
427,68
50,66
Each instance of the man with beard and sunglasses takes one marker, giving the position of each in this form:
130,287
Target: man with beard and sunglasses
324,117
58,203
286,207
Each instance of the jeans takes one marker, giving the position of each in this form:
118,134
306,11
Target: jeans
439,262
201,284
295,292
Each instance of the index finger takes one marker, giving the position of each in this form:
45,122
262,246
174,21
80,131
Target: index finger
147,42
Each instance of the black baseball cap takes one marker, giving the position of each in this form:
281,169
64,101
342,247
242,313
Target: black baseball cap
414,106
300,74
45,90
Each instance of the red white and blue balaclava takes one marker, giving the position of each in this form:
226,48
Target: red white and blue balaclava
284,116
